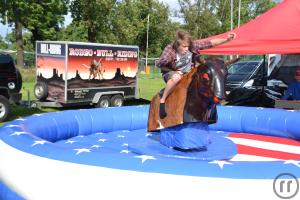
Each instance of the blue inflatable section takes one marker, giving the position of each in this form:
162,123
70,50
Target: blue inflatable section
7,193
266,121
63,125
117,130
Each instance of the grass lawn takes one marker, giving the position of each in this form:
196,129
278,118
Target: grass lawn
148,87
27,90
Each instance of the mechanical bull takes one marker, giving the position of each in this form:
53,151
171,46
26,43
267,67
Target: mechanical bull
194,98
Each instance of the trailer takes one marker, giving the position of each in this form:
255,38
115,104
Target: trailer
77,73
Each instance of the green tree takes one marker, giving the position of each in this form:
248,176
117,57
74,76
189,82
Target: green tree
129,25
199,17
204,18
94,15
122,22
42,18
250,9
14,12
3,44
11,39
75,31
45,19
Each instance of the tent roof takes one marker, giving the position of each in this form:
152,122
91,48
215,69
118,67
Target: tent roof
276,31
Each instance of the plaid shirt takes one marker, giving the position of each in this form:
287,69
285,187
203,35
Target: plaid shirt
167,59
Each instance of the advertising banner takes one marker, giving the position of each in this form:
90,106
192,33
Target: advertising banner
108,67
50,68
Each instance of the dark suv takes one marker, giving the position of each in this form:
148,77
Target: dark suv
10,85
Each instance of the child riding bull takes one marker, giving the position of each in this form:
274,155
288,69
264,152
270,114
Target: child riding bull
176,60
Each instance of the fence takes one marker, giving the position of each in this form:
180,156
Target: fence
149,71
29,57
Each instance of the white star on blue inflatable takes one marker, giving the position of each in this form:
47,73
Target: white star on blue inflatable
12,125
124,151
95,146
70,141
82,150
291,110
19,133
102,140
260,108
21,119
293,162
221,163
39,142
145,157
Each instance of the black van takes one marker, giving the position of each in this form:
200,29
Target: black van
243,74
10,85
261,86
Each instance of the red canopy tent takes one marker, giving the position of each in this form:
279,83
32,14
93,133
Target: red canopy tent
277,31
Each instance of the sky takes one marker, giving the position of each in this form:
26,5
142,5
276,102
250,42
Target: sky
3,30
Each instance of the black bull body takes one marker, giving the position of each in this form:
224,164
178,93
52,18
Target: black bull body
194,98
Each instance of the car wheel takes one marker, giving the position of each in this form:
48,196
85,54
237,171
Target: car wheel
117,100
4,108
103,102
41,90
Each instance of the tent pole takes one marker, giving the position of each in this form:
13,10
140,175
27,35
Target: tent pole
147,42
231,15
239,19
264,79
